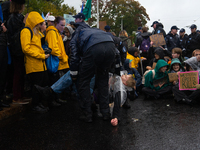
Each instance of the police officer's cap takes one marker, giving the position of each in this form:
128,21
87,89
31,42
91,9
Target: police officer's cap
193,26
174,27
182,30
107,27
80,15
155,22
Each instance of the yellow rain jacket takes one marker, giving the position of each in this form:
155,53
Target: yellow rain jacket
135,60
34,54
55,42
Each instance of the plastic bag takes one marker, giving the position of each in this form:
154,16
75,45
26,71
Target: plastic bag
52,63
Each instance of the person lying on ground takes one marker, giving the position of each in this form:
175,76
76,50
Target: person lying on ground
120,87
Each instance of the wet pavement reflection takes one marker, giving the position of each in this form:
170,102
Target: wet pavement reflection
149,124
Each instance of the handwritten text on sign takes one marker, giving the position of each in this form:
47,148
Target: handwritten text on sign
158,40
188,80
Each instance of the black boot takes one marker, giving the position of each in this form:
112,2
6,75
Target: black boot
38,109
54,104
187,101
46,92
85,116
1,109
4,105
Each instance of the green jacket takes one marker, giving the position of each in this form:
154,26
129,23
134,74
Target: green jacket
149,77
176,60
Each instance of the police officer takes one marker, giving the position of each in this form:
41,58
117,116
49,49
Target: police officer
158,28
193,41
183,41
96,51
172,38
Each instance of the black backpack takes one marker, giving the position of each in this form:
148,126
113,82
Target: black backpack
15,46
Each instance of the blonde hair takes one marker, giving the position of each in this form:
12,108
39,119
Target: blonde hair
131,82
123,33
36,29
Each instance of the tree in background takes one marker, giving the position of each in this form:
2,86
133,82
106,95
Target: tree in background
112,11
55,7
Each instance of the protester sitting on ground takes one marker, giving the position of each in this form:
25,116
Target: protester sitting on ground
159,54
176,67
127,66
134,56
34,57
120,87
188,96
156,81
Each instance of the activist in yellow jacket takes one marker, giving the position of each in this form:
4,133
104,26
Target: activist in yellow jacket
34,54
134,60
55,42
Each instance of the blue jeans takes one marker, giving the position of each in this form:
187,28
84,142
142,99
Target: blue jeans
66,81
63,83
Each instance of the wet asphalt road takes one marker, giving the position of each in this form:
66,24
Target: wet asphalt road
148,125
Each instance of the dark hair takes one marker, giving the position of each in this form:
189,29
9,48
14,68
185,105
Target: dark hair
58,19
187,67
15,7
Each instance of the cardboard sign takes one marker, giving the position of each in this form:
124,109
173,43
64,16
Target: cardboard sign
102,24
158,40
188,80
173,77
162,80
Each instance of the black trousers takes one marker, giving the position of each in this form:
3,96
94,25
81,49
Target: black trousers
96,61
160,92
3,68
117,105
41,79
179,94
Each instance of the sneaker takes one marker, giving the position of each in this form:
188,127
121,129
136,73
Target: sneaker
38,109
55,104
20,102
187,101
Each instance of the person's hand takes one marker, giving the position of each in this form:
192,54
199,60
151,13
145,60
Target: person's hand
144,58
161,84
3,27
74,79
26,16
47,56
174,83
114,122
198,86
162,48
151,44
134,87
148,68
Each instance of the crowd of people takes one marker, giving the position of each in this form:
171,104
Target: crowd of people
98,67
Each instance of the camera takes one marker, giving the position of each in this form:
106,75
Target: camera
47,50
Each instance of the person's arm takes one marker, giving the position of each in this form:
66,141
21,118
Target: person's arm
25,37
75,58
52,41
138,77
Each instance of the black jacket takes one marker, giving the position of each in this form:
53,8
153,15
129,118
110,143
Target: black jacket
172,41
15,24
193,42
82,41
159,29
183,41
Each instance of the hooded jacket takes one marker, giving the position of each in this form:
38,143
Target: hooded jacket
34,54
176,60
158,75
55,42
140,38
194,64
135,60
